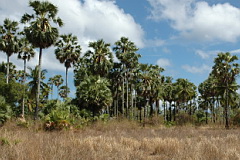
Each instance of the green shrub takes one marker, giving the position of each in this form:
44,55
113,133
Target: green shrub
183,118
199,117
236,118
5,111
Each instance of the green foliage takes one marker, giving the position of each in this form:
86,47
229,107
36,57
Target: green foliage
12,92
169,123
94,93
236,118
60,115
104,117
183,118
58,119
200,116
4,141
5,111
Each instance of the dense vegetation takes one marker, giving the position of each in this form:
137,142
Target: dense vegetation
105,89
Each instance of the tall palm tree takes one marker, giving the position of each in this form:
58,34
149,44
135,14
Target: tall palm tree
68,52
26,52
9,42
226,70
40,32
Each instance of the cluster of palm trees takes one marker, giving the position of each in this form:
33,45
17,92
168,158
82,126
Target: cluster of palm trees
220,89
122,88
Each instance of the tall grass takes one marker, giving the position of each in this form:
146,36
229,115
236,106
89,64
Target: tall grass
119,140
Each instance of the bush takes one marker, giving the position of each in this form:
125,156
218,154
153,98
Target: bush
200,117
5,111
58,115
183,118
236,118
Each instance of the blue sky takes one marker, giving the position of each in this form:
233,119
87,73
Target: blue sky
182,36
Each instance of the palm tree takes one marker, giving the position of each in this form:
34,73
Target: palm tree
225,70
101,58
126,52
26,52
40,32
12,70
68,52
63,91
186,91
33,83
57,81
9,42
168,95
95,94
51,83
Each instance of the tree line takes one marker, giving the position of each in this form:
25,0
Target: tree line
123,89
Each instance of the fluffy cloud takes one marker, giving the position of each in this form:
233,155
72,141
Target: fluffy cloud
90,20
163,62
196,70
198,20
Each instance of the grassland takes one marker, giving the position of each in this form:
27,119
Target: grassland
119,140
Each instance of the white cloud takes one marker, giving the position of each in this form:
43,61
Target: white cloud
166,50
154,42
236,51
163,62
198,20
90,20
213,53
207,54
196,70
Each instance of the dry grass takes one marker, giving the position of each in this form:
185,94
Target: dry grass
119,140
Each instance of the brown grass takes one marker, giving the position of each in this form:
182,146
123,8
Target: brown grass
119,140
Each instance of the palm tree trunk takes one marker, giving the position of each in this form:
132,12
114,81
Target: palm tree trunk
7,78
38,85
174,112
164,110
66,82
226,111
123,97
127,111
157,107
24,87
170,111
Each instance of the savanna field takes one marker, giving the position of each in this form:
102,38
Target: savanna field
111,106
119,140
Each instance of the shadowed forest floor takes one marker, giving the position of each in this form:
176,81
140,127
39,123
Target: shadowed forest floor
119,140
